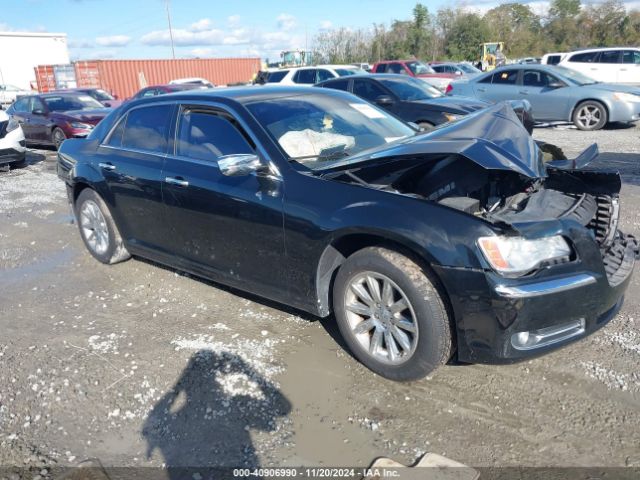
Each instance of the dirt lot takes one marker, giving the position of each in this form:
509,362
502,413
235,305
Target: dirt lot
138,365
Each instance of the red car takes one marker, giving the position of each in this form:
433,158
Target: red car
415,68
51,118
104,97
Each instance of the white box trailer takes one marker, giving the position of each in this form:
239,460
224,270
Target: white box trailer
20,52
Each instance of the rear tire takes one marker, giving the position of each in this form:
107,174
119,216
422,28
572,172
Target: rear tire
590,115
98,230
398,342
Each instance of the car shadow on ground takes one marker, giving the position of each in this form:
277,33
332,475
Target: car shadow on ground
571,126
205,421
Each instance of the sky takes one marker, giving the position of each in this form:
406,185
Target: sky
104,29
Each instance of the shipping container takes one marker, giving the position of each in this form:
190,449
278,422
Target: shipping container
125,77
21,52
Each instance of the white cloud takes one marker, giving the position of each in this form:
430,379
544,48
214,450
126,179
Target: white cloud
4,27
286,22
113,41
233,21
326,25
201,25
201,52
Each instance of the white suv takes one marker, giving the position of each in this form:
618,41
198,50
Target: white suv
608,65
12,145
309,75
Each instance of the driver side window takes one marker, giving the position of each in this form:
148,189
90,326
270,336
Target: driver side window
207,135
367,90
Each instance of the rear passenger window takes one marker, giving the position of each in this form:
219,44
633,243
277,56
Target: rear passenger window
587,57
505,77
208,136
381,68
146,128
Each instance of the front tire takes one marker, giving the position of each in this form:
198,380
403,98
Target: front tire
590,115
98,230
391,315
57,137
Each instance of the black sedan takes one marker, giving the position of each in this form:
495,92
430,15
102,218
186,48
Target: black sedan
458,242
409,98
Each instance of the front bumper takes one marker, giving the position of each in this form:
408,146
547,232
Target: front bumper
624,112
12,147
502,320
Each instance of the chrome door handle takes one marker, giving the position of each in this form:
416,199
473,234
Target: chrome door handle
524,92
482,90
107,166
176,181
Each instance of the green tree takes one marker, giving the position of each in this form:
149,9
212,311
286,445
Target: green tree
517,26
467,32
420,33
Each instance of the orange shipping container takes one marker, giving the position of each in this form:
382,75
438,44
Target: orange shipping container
125,77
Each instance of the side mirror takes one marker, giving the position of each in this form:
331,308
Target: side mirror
556,85
385,100
37,111
240,165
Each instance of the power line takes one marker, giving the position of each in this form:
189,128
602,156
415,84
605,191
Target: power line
173,50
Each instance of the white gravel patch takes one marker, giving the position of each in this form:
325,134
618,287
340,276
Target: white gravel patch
612,379
29,187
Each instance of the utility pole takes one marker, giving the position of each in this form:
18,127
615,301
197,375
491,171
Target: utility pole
173,50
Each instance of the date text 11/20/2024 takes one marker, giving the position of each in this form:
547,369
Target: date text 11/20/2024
320,472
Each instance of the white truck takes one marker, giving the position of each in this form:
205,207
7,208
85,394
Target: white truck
21,52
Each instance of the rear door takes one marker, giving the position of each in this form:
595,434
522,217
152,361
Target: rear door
630,67
131,161
609,63
231,226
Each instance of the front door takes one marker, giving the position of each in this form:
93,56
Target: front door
131,162
39,122
230,226
548,101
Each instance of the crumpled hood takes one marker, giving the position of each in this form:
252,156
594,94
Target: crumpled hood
494,138
86,116
461,104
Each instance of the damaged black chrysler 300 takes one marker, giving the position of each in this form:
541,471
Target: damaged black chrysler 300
458,242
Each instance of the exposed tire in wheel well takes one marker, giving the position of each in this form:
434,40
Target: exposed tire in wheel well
341,248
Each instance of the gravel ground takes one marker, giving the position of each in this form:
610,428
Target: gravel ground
139,365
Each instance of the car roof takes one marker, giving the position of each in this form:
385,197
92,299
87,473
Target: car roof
245,94
372,76
601,49
401,61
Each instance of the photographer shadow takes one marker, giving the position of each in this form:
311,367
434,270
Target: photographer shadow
203,424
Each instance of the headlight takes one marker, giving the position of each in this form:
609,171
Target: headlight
626,97
451,116
517,255
12,125
80,125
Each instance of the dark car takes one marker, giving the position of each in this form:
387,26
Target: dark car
169,88
461,241
408,98
50,118
104,97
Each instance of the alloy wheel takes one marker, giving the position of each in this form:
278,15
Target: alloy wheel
589,116
381,317
58,137
94,227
